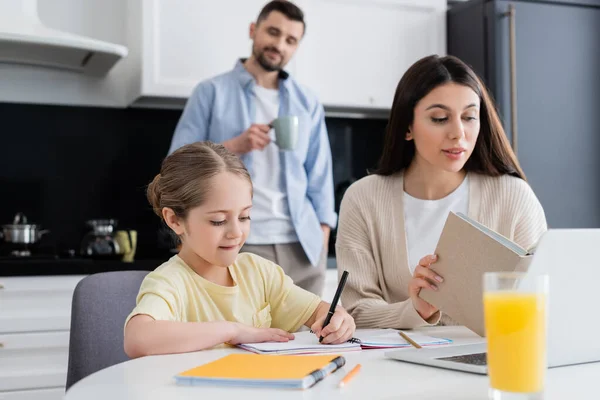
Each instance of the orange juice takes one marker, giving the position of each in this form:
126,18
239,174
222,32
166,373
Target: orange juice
515,325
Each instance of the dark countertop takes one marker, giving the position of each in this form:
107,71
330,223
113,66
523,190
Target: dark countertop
82,266
68,266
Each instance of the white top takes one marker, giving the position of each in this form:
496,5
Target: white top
424,221
271,218
151,378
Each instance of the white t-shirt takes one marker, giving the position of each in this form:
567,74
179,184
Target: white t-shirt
271,220
424,221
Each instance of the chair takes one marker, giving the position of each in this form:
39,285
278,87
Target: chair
101,302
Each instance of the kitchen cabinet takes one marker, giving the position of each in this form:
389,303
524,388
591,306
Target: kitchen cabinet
34,360
175,45
356,51
37,394
352,56
36,304
35,317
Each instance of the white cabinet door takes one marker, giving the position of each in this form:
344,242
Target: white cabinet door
187,41
355,51
33,360
41,394
36,303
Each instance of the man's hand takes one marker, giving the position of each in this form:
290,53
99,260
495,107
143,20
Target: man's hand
254,138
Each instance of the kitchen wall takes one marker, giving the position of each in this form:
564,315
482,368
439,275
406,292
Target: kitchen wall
64,165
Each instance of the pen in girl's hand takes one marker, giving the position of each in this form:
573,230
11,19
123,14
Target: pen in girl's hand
335,301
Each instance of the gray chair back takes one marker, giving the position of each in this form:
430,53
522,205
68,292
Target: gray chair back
101,302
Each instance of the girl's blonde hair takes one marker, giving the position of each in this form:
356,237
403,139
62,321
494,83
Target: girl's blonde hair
185,176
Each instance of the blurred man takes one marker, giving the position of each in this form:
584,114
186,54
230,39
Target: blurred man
293,209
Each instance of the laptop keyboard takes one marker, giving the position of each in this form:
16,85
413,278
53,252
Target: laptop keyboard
473,359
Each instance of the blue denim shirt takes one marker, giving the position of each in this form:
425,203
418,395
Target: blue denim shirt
222,107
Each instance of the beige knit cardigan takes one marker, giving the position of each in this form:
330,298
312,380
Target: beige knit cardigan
371,241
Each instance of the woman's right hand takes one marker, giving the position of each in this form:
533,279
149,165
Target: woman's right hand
249,334
424,278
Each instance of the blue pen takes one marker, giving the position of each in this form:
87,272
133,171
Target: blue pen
336,299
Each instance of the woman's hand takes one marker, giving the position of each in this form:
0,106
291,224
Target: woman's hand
249,334
424,278
340,329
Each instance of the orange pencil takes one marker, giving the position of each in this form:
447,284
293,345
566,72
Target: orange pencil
349,376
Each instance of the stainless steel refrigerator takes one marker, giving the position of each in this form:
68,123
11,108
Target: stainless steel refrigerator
541,62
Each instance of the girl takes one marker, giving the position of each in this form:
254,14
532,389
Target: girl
445,150
208,294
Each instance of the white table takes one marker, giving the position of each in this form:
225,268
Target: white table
151,377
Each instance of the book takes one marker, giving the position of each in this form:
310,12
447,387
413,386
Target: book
256,370
308,343
466,250
498,237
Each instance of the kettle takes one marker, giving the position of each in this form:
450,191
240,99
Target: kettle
100,242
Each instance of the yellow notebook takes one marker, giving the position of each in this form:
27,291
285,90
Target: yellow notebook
257,370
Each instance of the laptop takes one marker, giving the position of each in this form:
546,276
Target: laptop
569,258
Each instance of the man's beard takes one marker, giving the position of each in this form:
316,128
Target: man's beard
264,61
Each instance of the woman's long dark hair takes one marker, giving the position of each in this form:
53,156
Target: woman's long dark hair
492,154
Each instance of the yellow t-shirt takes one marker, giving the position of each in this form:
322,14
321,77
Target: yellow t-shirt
263,296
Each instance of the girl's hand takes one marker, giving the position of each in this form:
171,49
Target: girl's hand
340,329
249,334
424,278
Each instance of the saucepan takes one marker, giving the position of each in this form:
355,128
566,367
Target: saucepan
22,232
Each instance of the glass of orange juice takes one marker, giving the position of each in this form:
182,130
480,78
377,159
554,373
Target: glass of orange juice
515,311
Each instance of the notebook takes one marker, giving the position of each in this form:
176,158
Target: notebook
303,343
256,370
308,343
466,250
390,338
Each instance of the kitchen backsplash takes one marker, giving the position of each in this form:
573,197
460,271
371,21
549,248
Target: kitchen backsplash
62,166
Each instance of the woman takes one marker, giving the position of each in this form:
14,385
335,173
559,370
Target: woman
445,150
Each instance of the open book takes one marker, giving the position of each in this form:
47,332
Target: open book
308,343
466,250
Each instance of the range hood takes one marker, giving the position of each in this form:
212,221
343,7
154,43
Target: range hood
25,40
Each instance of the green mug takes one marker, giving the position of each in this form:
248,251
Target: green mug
286,132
